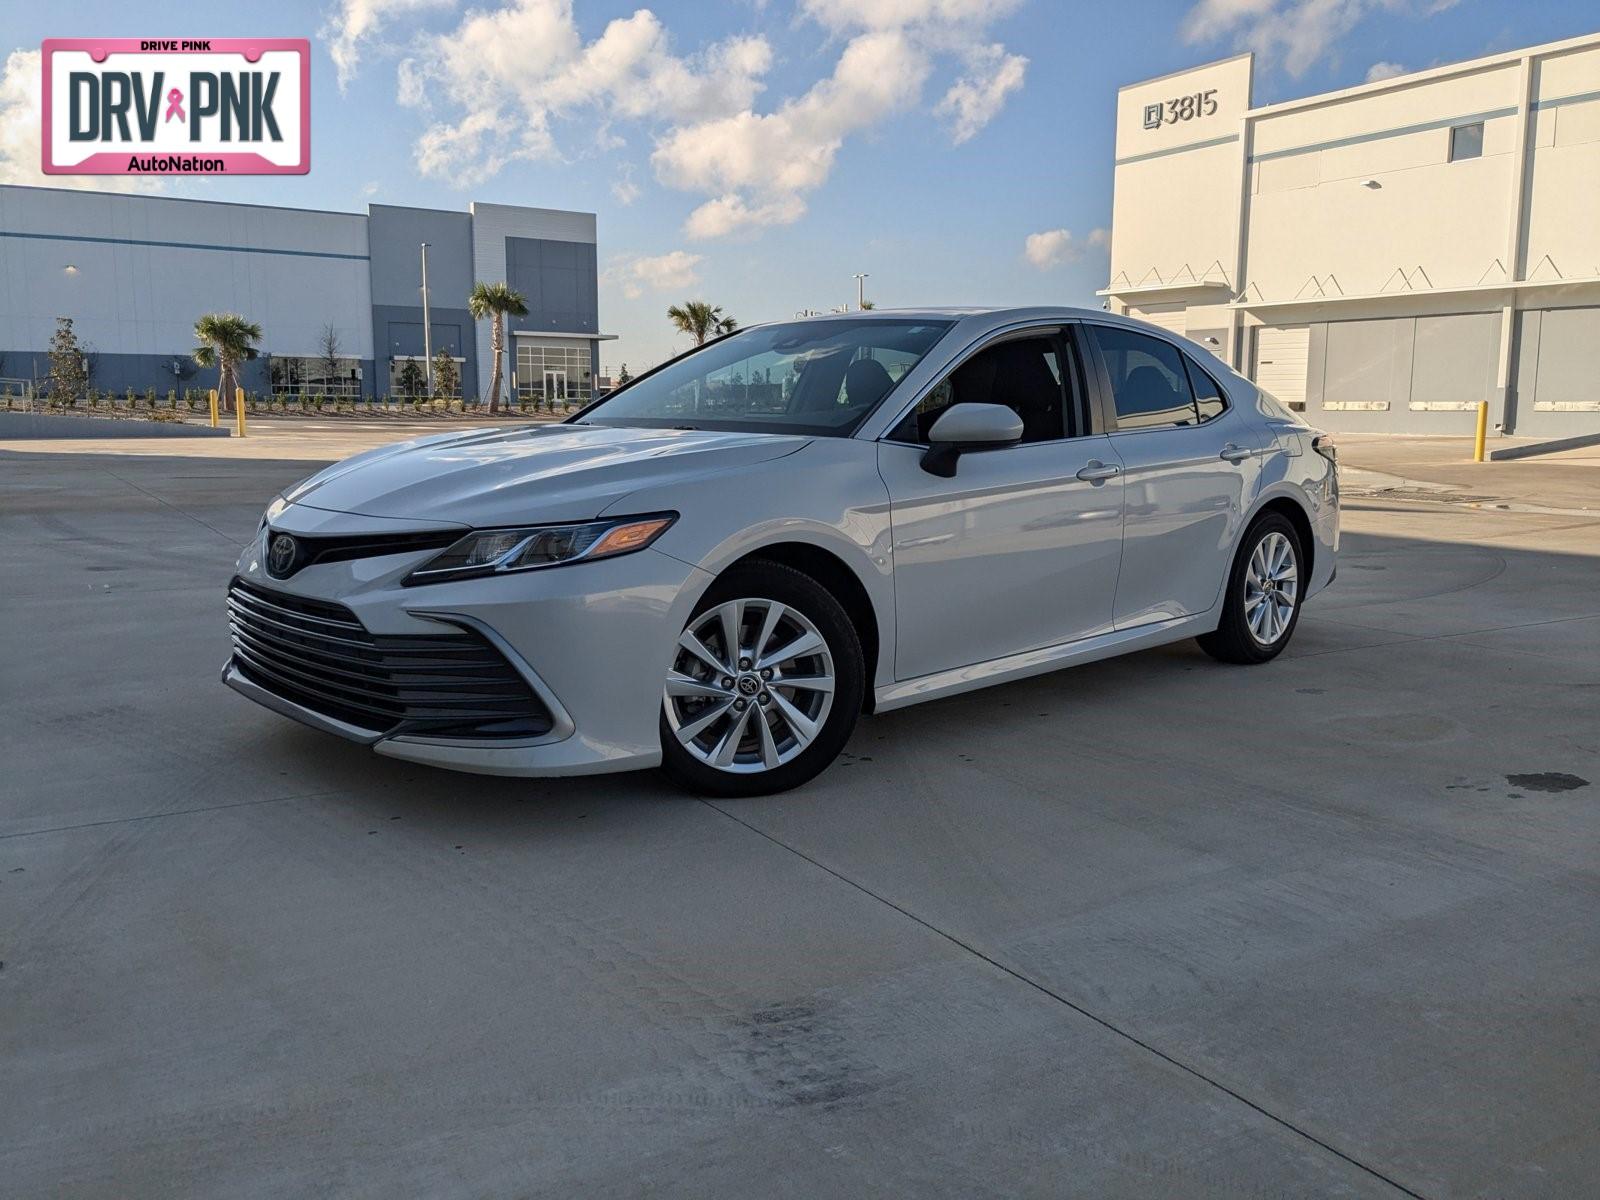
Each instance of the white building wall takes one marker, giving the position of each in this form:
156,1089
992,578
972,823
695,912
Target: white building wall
1417,285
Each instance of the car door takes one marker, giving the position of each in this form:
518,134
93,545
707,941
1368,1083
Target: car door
1020,548
1191,465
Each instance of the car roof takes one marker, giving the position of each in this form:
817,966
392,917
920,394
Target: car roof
946,312
977,318
974,321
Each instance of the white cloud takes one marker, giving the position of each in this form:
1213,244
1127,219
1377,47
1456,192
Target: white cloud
353,24
506,96
624,188
1384,70
732,214
478,148
758,168
778,156
902,14
1055,247
21,121
978,96
1295,33
660,273
493,101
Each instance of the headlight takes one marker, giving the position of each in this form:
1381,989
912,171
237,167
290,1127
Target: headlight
277,506
496,551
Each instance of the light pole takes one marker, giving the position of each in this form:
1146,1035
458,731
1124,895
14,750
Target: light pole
427,326
861,305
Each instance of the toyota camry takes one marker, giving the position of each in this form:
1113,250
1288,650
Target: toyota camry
720,566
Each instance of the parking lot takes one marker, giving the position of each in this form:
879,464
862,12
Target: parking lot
1149,927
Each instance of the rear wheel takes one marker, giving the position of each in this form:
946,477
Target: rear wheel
1262,605
765,685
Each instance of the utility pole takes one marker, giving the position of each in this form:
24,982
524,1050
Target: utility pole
861,297
427,325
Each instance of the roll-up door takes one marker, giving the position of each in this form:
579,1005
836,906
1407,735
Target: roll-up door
1279,366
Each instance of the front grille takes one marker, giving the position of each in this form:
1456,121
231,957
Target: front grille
318,655
310,550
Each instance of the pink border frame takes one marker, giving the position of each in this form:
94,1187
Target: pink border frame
115,162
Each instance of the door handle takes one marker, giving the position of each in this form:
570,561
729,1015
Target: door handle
1235,454
1097,471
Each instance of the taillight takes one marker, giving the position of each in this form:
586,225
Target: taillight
1324,445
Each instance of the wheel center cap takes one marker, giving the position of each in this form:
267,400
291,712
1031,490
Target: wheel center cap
749,685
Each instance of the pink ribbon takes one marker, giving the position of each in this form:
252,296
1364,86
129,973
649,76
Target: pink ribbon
175,105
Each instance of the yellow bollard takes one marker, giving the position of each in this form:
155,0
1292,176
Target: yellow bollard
1483,431
238,408
213,394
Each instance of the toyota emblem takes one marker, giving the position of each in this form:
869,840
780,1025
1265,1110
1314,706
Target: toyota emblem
281,554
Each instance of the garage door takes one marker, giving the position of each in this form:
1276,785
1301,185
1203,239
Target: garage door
1174,318
1281,355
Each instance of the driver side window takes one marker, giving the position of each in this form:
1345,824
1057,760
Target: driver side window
1026,374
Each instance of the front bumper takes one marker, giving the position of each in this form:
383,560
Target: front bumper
593,641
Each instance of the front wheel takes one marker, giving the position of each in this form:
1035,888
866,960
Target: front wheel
765,684
1262,605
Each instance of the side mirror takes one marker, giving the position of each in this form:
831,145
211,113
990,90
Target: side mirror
966,427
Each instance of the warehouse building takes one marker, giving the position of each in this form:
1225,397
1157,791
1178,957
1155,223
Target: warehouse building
1384,257
134,272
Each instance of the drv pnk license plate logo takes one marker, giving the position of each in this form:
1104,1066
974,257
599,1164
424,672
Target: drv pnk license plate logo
217,106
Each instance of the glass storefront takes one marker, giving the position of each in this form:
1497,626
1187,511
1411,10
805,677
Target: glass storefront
314,376
554,374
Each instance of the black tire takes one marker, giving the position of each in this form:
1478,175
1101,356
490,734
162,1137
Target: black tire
797,591
1234,641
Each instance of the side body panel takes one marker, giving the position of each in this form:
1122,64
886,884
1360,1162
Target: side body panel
827,495
1013,553
1183,510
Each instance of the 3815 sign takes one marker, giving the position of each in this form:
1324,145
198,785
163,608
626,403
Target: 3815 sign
1180,108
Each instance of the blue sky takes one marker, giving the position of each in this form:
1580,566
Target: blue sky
758,153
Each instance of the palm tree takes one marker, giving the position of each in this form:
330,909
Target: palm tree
700,320
495,300
226,340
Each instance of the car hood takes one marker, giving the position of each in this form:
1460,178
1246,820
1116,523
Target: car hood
516,476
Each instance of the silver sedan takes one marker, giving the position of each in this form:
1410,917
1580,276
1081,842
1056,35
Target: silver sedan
719,567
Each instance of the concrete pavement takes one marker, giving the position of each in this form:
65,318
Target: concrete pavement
1149,927
1442,468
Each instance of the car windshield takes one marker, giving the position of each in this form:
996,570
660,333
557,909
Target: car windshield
811,377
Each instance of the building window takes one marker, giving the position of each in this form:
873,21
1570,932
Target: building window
408,375
315,376
553,373
1466,141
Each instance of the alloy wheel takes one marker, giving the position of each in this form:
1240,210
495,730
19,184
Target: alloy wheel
1271,584
751,685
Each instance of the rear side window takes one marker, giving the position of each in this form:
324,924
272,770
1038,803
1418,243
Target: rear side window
1208,401
1149,382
